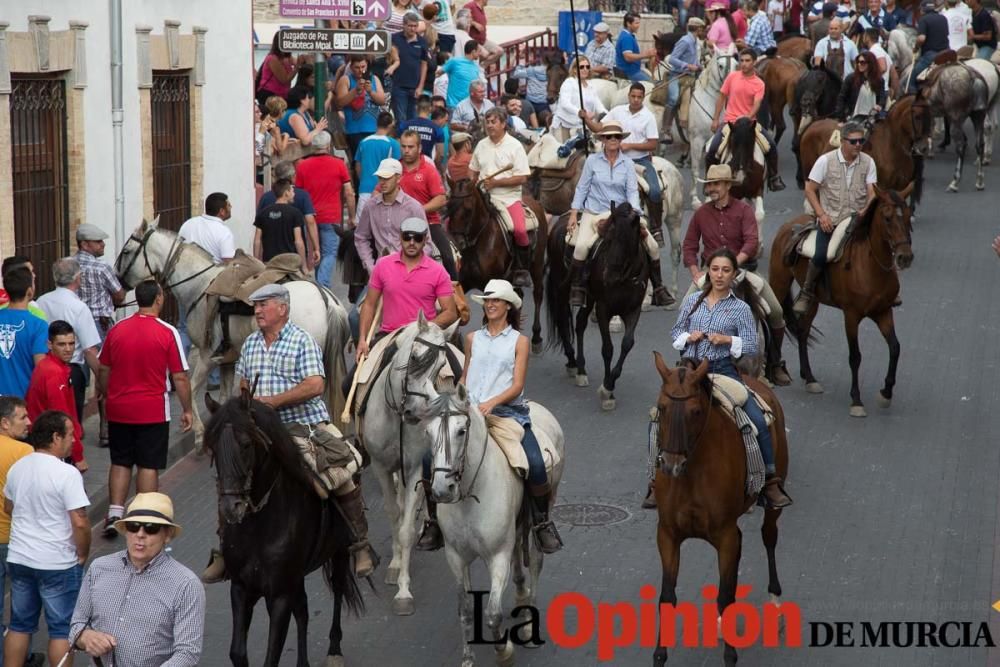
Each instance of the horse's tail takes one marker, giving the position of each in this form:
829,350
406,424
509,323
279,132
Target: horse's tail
918,180
339,577
338,333
556,298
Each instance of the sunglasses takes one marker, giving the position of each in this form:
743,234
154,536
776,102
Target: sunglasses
584,66
615,137
413,237
856,142
150,528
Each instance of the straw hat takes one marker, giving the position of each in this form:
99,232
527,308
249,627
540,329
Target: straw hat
612,127
498,289
716,173
150,507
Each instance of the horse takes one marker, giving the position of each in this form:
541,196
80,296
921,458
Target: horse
862,284
816,94
901,43
780,76
748,173
274,530
895,143
486,247
483,511
795,47
988,71
703,99
396,444
618,271
186,270
700,484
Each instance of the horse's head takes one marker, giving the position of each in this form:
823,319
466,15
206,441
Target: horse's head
421,351
621,235
555,73
742,142
891,214
448,427
921,123
683,406
665,43
467,214
719,66
809,90
138,260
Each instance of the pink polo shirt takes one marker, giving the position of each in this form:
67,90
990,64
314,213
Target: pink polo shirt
406,293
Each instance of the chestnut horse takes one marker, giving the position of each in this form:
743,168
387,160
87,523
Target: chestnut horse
862,284
701,484
486,248
795,47
780,76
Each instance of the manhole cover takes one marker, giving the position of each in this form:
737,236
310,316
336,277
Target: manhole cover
589,514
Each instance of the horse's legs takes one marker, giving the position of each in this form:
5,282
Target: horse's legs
606,390
978,125
392,511
960,142
300,610
769,535
402,604
674,228
886,325
851,322
729,544
805,369
499,568
201,365
582,319
334,655
241,602
279,609
628,341
460,569
538,293
670,562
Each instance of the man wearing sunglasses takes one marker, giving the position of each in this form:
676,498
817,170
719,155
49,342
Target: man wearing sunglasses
841,184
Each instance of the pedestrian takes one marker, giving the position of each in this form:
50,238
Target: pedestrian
280,228
371,151
477,14
468,115
141,356
49,539
328,183
51,386
835,41
360,95
440,119
431,135
984,30
140,607
462,71
99,286
410,57
22,335
421,180
63,303
16,262
14,424
297,121
377,233
209,231
303,202
442,23
601,52
275,74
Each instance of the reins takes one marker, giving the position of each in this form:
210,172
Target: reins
173,256
458,473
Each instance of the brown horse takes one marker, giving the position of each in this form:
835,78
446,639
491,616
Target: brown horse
701,483
795,47
895,143
474,224
747,172
780,75
862,284
554,188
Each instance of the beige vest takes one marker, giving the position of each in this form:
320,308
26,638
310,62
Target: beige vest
839,197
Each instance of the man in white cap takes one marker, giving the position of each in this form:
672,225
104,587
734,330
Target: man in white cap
294,388
601,52
371,151
99,286
146,579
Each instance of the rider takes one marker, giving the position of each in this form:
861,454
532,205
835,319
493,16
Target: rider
501,161
841,183
640,125
835,41
601,52
285,365
726,222
742,94
496,365
714,325
684,61
608,178
932,39
760,36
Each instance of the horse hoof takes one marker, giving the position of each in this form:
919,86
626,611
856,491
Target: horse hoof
608,405
616,325
570,370
980,186
505,656
814,388
468,662
582,381
952,187
403,606
883,402
392,576
536,348
858,411
335,661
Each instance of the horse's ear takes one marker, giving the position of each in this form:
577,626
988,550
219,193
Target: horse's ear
246,398
451,329
661,365
421,321
155,223
701,371
211,403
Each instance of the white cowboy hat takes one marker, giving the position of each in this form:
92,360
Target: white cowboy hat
498,289
151,507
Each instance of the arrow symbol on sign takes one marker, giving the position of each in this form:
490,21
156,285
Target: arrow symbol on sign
376,8
375,43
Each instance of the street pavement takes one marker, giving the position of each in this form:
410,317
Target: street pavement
895,515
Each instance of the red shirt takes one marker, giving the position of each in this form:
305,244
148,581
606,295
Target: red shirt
423,184
142,351
50,389
405,293
323,177
478,14
741,24
733,226
458,166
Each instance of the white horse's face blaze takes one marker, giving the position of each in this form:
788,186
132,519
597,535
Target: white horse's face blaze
449,435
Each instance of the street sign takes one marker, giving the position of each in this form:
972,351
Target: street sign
361,42
335,10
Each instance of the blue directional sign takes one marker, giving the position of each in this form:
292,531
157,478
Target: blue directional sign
362,42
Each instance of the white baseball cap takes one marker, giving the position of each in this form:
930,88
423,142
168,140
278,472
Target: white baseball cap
388,168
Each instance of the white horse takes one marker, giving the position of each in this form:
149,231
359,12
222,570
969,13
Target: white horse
991,76
900,49
706,94
406,382
481,511
186,270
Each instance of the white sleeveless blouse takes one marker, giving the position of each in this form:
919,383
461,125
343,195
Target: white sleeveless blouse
491,368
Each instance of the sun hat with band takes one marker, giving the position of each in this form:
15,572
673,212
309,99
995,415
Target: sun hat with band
498,289
716,173
151,507
717,6
610,127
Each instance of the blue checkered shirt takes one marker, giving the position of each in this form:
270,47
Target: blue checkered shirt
601,54
730,316
289,360
760,37
97,283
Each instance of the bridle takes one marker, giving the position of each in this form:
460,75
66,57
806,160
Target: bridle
451,471
462,239
889,242
239,469
675,402
162,277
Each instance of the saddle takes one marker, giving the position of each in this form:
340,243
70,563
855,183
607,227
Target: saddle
731,394
244,275
723,153
661,172
508,434
802,242
684,103
545,155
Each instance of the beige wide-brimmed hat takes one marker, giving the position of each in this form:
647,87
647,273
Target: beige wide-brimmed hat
718,172
150,507
612,127
498,289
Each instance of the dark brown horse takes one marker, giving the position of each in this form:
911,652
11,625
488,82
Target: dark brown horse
701,483
862,284
554,188
816,94
795,47
895,143
487,251
747,172
780,75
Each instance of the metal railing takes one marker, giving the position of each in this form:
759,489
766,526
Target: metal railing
525,51
634,6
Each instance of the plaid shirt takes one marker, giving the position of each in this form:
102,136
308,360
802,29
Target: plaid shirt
729,316
157,615
97,283
760,37
289,360
601,54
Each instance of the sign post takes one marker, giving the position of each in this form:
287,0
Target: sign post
349,42
335,10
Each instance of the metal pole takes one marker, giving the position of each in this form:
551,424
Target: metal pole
579,83
117,121
319,78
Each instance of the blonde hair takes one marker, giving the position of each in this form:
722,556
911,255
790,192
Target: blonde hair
575,64
275,106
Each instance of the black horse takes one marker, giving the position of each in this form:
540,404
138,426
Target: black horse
275,530
616,283
815,97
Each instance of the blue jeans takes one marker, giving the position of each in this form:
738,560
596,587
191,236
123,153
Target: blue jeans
32,590
354,316
923,62
652,178
822,245
985,52
640,76
674,92
725,367
404,105
329,241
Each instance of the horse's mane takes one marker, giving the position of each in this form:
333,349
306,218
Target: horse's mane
742,142
621,244
416,364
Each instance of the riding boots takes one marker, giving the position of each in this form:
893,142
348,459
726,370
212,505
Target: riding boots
577,290
431,538
806,295
353,507
522,266
216,570
774,495
776,371
661,296
774,182
548,538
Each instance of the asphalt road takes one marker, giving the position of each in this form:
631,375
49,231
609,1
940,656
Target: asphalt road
895,515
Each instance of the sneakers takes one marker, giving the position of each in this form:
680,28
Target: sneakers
110,532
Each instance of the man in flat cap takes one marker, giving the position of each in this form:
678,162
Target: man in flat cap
601,52
99,286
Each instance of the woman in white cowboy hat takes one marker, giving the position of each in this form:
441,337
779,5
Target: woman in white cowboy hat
496,365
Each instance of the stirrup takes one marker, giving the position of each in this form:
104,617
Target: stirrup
431,538
215,571
547,537
577,296
649,502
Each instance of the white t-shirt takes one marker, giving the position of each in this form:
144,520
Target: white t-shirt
959,21
775,10
44,491
64,304
568,105
879,54
818,173
641,127
210,233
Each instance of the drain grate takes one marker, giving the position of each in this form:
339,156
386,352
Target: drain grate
589,514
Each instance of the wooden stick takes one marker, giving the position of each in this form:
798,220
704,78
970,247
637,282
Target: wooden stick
345,416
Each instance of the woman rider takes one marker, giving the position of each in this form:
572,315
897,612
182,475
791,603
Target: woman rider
863,90
716,325
496,365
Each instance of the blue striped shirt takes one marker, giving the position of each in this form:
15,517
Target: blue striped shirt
685,53
730,316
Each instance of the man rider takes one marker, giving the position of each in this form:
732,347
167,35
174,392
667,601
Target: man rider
841,183
741,95
835,41
640,125
601,52
683,61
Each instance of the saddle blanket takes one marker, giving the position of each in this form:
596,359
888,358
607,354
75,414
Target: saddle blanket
756,282
663,170
807,246
244,275
507,433
530,220
545,154
732,394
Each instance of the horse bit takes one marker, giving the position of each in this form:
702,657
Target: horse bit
454,473
239,468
